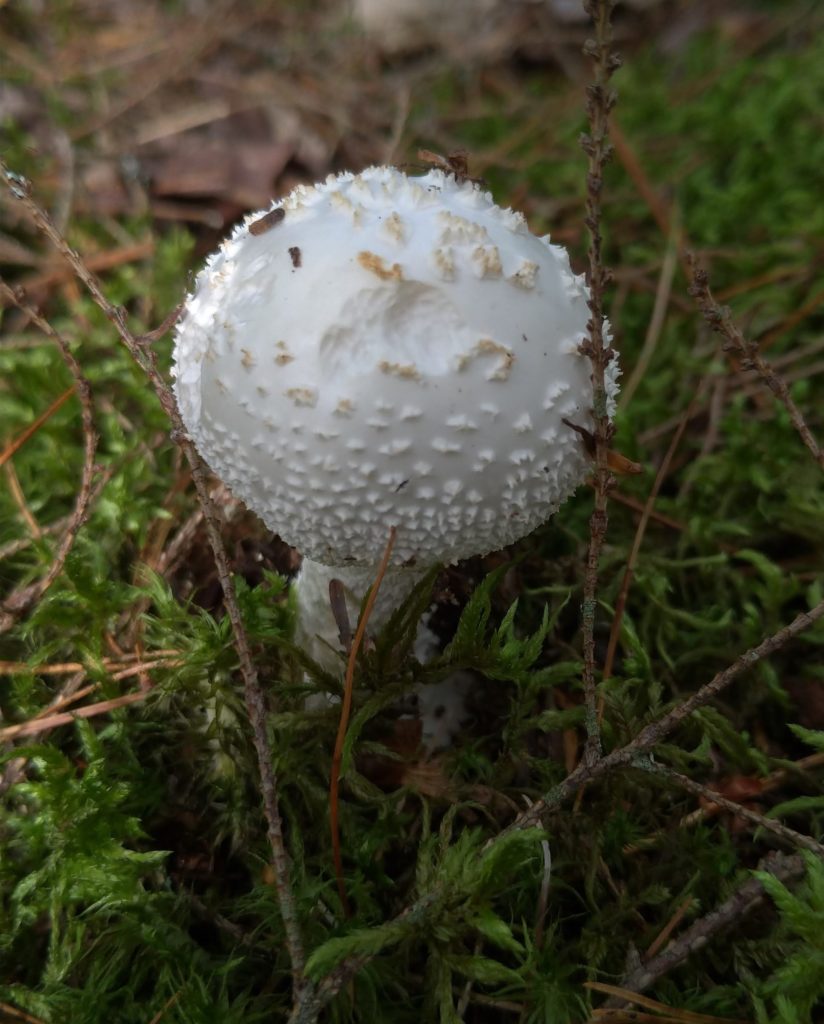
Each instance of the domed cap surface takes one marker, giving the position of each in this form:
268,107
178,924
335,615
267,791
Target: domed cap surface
389,351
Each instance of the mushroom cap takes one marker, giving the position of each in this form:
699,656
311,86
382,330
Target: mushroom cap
389,351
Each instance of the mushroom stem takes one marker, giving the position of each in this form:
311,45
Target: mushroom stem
317,630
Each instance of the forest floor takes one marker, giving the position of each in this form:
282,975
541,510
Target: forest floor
677,876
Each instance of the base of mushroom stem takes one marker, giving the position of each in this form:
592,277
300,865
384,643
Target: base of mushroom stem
441,706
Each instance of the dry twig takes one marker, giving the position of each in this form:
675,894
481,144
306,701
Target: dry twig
742,902
663,936
720,320
651,735
38,725
600,101
739,810
661,1012
791,321
11,1011
15,445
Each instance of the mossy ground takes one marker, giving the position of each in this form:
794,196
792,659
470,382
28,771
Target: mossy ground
134,875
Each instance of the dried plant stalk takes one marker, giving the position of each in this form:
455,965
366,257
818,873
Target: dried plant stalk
600,101
720,320
761,821
635,752
743,901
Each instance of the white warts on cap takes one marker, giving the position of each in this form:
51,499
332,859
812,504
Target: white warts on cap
413,372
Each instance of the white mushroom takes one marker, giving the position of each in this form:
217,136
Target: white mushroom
379,351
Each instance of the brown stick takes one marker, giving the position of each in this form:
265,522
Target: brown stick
766,785
36,725
793,320
98,262
770,824
670,1015
651,735
720,321
35,425
19,499
662,937
600,101
637,506
11,1011
742,902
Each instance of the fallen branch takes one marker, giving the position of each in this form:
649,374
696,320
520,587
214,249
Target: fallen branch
635,752
743,901
36,725
739,810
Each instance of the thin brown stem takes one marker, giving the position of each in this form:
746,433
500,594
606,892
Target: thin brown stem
18,442
744,900
596,145
661,1013
662,938
38,725
16,1014
651,735
720,320
789,835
